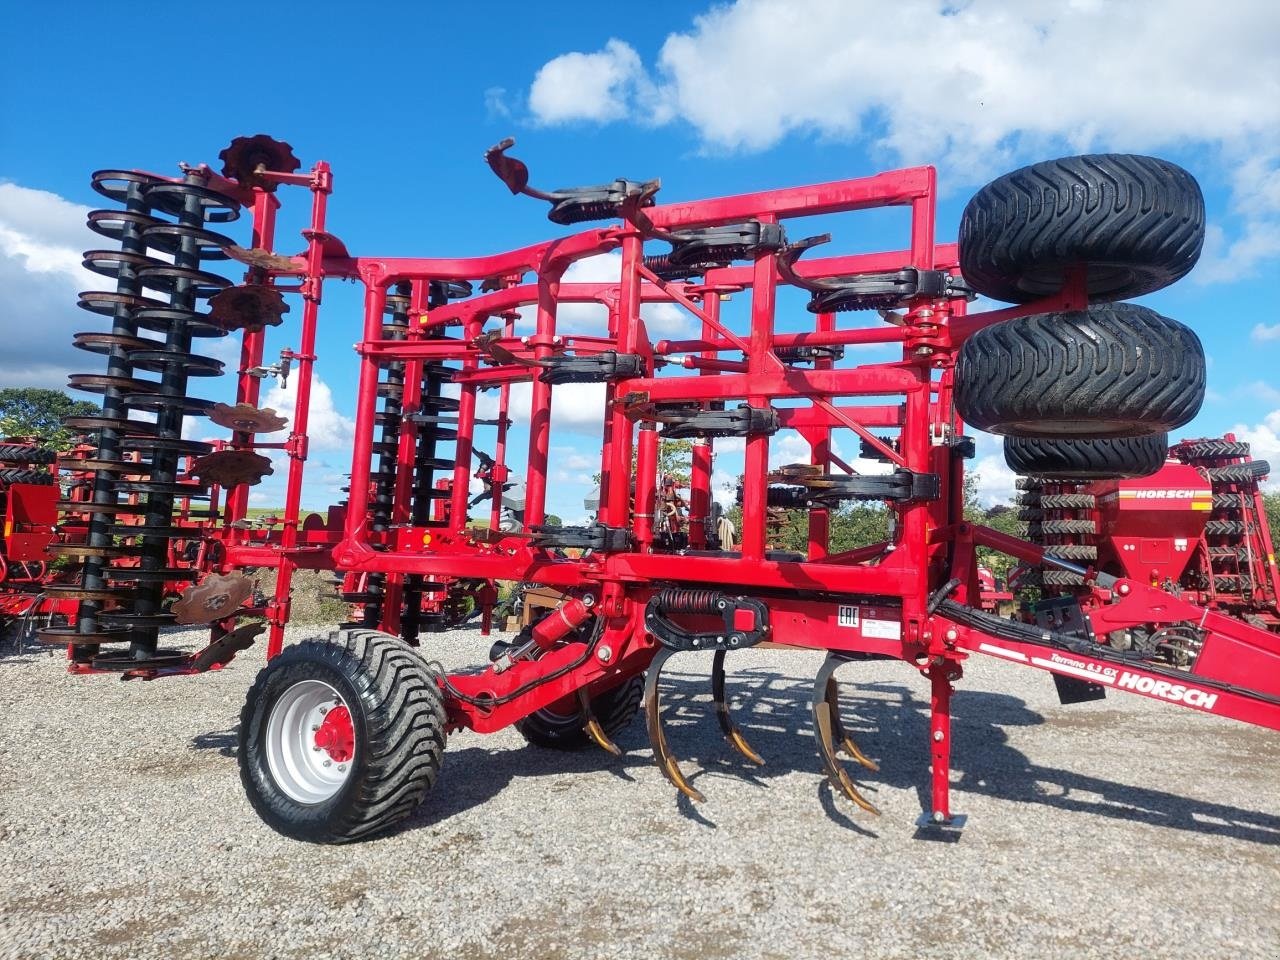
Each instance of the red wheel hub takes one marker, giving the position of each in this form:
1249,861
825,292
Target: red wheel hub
336,735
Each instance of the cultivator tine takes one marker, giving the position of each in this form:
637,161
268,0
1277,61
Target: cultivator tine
592,727
730,729
827,728
657,739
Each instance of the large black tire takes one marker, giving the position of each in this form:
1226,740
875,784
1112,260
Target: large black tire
1136,222
1086,459
39,477
615,709
1115,370
398,719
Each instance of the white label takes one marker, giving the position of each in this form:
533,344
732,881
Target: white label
847,617
882,629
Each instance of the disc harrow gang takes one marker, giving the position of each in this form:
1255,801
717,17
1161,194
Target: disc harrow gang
472,396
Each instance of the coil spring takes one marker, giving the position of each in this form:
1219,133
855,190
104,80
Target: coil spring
681,600
136,464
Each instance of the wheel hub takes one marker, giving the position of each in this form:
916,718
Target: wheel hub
336,736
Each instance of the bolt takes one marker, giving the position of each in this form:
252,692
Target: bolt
951,634
938,817
316,748
315,728
937,735
328,763
342,768
604,654
1123,589
323,711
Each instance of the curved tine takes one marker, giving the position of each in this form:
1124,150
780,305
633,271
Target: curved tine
822,730
511,171
657,739
839,731
591,726
730,729
791,253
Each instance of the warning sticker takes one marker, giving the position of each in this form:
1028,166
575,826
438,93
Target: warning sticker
882,629
847,617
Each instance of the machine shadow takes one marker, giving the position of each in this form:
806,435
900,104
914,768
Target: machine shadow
889,720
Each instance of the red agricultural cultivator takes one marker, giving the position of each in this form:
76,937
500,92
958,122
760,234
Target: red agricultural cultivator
341,738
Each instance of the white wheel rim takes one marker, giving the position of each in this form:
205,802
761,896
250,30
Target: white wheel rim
302,769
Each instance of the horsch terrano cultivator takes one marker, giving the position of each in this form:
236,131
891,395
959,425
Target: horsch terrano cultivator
342,737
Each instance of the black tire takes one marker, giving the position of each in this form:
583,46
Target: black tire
1061,578
1226,501
1068,501
1224,528
615,709
1087,459
1062,526
1030,513
38,477
397,713
1212,449
1028,498
1072,551
1239,472
1029,484
1115,370
22,453
1136,222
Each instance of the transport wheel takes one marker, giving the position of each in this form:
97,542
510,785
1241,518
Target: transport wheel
1115,370
20,453
1104,459
1239,472
26,476
1136,223
615,709
1213,449
341,738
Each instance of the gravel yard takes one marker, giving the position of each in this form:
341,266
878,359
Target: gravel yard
1122,828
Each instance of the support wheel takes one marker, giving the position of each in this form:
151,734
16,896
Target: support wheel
615,709
1136,224
1107,459
340,739
1115,370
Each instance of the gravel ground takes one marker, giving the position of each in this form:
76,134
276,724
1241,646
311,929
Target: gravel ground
1121,828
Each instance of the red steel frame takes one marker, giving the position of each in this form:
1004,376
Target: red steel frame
891,583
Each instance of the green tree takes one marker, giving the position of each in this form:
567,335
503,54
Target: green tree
33,411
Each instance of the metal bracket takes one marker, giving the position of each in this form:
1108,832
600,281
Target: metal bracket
596,537
592,368
745,620
742,421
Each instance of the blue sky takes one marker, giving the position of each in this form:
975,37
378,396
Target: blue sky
403,98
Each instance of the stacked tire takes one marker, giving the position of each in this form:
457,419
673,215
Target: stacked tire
25,463
1090,393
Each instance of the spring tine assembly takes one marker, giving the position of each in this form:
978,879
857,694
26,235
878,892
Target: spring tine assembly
831,734
657,738
727,726
592,727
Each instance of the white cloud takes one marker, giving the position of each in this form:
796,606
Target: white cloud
598,87
42,237
975,86
1264,443
327,428
1262,332
961,81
